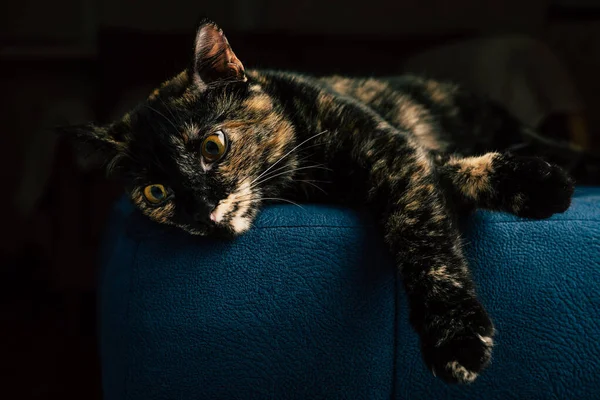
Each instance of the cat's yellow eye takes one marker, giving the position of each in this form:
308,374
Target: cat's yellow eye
155,194
214,147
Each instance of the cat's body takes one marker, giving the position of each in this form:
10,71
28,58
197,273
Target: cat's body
439,117
213,144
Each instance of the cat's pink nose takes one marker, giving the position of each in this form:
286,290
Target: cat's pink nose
213,217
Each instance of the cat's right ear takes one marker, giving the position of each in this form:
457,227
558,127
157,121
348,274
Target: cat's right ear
94,146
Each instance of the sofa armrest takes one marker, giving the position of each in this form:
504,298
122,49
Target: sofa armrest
308,305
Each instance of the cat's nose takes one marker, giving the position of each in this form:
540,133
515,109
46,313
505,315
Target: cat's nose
202,216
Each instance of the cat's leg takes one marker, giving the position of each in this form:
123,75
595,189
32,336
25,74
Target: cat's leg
454,328
525,186
401,184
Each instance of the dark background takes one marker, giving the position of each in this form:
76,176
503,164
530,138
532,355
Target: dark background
68,61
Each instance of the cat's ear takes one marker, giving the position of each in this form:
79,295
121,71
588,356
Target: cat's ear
94,146
214,61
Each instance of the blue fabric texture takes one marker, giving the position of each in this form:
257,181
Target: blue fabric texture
307,305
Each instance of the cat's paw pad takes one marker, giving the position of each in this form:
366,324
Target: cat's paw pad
461,357
539,189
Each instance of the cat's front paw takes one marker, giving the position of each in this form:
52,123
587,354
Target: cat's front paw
537,188
460,345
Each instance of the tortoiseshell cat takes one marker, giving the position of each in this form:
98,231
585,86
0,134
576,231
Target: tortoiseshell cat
213,144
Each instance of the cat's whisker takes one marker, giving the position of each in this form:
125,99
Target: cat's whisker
311,183
168,109
246,196
287,154
163,115
271,198
288,172
312,180
308,147
287,166
273,173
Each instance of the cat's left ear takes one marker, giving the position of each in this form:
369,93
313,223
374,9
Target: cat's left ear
214,61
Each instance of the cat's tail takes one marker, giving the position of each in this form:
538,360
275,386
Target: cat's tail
472,124
506,133
525,186
580,163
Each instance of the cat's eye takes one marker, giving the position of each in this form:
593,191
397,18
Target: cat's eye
156,194
214,147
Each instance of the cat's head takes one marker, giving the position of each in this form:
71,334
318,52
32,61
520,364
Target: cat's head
195,153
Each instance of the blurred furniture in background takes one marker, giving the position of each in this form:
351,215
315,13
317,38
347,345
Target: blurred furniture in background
531,81
517,71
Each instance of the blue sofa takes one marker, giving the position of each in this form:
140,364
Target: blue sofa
307,306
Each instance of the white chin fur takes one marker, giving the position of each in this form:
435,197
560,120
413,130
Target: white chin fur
240,225
226,206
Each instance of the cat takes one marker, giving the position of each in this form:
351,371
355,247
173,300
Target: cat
214,143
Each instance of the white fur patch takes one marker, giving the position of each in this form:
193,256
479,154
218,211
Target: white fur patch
226,206
205,167
488,341
240,224
460,372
